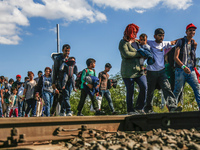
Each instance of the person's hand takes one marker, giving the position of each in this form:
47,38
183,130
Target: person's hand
37,94
90,86
53,86
187,70
23,98
18,86
75,90
2,101
63,87
57,91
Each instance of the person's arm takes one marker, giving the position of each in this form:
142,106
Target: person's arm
39,86
127,51
2,101
73,84
195,45
75,70
55,72
10,99
99,76
175,41
178,61
24,92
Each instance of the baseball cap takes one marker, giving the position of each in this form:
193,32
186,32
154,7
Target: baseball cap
18,76
191,25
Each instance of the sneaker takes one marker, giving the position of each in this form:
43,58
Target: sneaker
133,113
61,114
140,111
115,112
98,112
149,111
179,109
79,114
69,114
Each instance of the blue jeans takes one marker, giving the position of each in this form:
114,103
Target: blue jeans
48,100
129,83
107,95
65,104
181,77
1,111
20,106
31,105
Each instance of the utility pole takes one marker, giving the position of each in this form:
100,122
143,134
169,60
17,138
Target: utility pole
58,39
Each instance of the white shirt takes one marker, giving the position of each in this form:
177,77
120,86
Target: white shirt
157,50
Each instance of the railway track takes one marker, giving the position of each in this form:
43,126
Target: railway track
23,131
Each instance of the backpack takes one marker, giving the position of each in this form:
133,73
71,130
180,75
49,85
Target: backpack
78,78
111,81
170,54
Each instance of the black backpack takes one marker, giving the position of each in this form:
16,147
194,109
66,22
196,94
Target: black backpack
111,81
170,54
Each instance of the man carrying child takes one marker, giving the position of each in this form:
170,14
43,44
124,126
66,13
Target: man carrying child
57,80
156,73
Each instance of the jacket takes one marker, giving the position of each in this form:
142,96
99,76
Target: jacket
14,102
56,73
183,56
130,65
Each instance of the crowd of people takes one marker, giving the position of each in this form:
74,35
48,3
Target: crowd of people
169,65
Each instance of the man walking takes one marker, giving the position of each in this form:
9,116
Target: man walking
185,58
58,78
156,73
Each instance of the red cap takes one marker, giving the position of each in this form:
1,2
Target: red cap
191,25
18,76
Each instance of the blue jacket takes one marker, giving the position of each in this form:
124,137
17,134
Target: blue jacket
94,81
145,51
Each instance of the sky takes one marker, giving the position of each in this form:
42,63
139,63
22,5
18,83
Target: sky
93,29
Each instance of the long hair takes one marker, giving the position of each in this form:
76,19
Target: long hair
131,31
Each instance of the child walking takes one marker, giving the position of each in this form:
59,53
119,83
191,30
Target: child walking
14,99
86,87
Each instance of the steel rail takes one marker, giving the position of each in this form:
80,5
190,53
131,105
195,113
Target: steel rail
14,130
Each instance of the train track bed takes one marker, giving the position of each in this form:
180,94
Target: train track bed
149,131
156,139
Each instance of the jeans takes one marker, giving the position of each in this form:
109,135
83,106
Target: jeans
107,95
31,105
20,106
65,105
129,83
160,78
170,72
48,100
181,77
1,111
24,107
